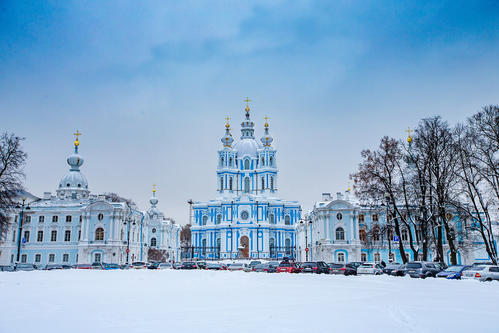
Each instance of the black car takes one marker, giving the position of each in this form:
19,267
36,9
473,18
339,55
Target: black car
341,269
153,265
390,267
317,267
7,268
201,265
52,267
422,269
189,265
26,267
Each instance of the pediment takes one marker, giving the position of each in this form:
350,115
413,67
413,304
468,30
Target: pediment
339,205
99,206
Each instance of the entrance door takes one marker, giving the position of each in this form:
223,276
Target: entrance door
244,247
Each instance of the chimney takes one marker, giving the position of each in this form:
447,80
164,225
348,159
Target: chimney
102,197
339,196
347,195
47,195
326,196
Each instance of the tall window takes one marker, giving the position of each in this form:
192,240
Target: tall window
68,218
24,258
26,236
97,257
67,236
205,219
79,235
246,164
222,161
363,257
41,218
377,257
391,257
263,183
340,234
65,257
287,244
221,183
340,257
272,247
272,183
122,234
361,218
404,235
51,257
53,236
263,161
230,161
99,234
27,219
287,220
230,183
272,219
203,246
271,161
55,218
375,217
219,218
39,237
38,257
219,246
246,185
153,242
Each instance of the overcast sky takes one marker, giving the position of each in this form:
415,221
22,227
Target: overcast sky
149,84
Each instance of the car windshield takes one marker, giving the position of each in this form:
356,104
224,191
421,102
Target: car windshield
454,269
138,264
309,264
392,266
285,264
261,266
366,265
335,265
414,265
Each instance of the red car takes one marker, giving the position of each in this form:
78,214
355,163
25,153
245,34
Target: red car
84,266
288,267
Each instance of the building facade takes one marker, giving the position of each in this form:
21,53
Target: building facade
342,230
247,219
76,227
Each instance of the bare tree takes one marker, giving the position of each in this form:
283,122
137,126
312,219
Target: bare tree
12,160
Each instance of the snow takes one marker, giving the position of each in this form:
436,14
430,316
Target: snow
207,301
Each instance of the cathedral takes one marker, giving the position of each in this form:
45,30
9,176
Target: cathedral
246,219
77,227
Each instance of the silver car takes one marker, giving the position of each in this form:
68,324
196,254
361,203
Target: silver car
482,273
370,268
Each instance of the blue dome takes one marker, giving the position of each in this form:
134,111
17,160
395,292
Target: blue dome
247,147
73,179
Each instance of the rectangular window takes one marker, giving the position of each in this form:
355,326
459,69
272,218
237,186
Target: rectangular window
361,218
65,257
79,234
41,218
51,257
14,236
81,218
11,258
375,217
68,218
40,236
38,257
53,236
55,218
24,258
27,219
26,236
67,236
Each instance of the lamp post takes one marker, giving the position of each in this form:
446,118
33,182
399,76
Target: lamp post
306,225
231,240
389,225
258,240
20,227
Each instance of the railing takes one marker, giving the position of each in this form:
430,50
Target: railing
215,253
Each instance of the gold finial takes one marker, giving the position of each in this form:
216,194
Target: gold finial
227,125
409,137
77,134
247,100
266,121
154,188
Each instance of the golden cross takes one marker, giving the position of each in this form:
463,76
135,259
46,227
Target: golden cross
409,131
266,119
154,187
227,119
247,100
77,134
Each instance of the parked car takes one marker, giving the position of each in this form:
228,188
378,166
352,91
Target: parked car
110,267
482,273
177,265
400,271
390,267
124,266
288,267
189,265
201,265
422,269
153,265
254,263
261,268
97,265
370,268
52,267
66,266
84,266
453,272
341,269
238,266
355,264
139,265
165,265
213,266
7,268
25,267
317,267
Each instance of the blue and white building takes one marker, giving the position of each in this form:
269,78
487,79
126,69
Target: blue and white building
247,219
76,227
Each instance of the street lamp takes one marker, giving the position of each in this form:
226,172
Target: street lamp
306,224
389,225
258,240
20,228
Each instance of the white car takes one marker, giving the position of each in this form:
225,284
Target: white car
482,273
370,268
238,267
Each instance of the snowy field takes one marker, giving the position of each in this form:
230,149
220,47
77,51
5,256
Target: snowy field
204,301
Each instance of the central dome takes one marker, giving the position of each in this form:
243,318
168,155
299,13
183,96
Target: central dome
247,147
74,179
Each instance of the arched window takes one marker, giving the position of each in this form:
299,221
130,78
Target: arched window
377,257
222,160
361,218
205,220
272,248
363,235
246,164
230,161
99,234
271,219
391,257
271,161
263,183
363,257
375,217
203,246
246,185
287,245
122,234
263,161
153,242
404,235
340,257
340,234
221,183
272,183
219,218
230,183
287,220
219,246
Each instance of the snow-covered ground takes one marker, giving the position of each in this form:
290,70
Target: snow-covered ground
204,301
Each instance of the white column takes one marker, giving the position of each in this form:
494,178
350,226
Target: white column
327,220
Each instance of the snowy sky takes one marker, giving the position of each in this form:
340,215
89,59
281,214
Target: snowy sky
149,84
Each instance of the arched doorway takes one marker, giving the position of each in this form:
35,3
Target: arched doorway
244,247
